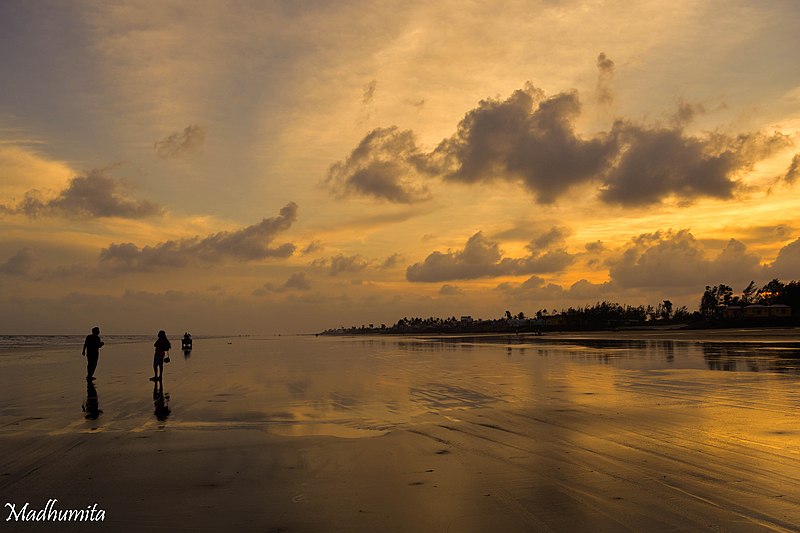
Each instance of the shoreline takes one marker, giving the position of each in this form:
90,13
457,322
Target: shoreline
748,334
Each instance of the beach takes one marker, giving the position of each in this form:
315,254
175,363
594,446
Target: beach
614,431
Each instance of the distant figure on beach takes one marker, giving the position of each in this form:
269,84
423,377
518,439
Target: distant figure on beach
160,402
91,349
92,405
186,344
162,346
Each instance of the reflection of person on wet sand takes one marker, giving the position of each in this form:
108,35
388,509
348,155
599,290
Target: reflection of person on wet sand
91,349
92,405
162,346
160,402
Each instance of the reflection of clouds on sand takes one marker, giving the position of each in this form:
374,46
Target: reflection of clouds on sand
441,397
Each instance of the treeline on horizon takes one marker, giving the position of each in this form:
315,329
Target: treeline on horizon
611,315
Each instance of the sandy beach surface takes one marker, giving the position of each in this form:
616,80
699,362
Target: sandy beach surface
628,431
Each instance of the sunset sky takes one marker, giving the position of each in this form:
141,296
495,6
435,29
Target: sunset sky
284,167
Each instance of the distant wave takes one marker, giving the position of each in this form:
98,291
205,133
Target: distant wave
16,342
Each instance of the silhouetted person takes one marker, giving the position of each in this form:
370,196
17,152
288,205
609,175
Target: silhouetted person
160,402
92,405
162,346
186,344
91,349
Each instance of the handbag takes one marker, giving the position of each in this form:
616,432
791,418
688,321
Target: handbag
166,358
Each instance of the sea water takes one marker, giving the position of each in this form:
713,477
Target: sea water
365,386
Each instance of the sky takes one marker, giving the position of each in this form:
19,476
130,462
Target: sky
287,167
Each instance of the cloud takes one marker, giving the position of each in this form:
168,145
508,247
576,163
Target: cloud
533,287
676,259
369,92
527,138
298,281
314,246
530,138
793,172
188,141
387,164
605,74
391,261
450,290
787,264
654,163
482,258
248,244
686,112
19,264
595,247
92,195
340,264
554,236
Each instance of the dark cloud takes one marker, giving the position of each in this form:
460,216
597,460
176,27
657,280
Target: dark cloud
369,92
190,140
533,287
794,170
19,264
596,247
450,290
555,235
250,243
654,163
787,264
391,261
677,259
387,164
526,138
92,195
483,258
315,246
296,282
529,138
770,233
605,74
340,264
686,112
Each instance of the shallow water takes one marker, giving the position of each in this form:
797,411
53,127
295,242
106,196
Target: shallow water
362,386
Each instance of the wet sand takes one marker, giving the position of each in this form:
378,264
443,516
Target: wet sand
630,433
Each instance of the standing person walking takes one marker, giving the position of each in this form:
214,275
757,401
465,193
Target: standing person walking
162,346
91,349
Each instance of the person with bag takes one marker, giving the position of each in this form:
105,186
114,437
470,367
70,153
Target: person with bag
160,356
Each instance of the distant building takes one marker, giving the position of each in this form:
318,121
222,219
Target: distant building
780,311
732,312
466,319
553,320
757,311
